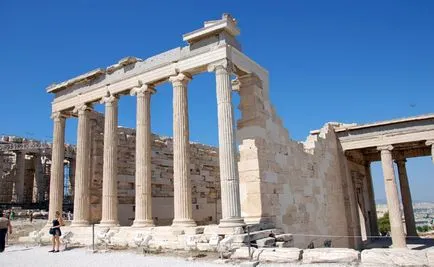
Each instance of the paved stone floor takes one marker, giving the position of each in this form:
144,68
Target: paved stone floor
412,243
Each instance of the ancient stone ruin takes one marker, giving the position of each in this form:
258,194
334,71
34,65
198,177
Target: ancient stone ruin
177,194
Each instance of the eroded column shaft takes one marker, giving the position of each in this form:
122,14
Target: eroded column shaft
398,238
407,202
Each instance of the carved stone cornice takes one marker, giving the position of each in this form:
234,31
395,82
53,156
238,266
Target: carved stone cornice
180,80
144,89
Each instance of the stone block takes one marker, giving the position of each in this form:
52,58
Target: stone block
266,242
243,238
280,255
330,255
286,244
243,253
284,237
394,256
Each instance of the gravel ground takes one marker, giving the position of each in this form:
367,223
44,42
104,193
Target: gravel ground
16,255
39,256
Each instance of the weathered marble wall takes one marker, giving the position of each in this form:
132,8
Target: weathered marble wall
303,188
204,174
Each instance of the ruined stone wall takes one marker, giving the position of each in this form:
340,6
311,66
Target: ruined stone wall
7,174
204,174
302,188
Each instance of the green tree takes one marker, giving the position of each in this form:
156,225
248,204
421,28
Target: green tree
384,224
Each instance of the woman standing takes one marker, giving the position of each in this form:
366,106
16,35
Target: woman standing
55,232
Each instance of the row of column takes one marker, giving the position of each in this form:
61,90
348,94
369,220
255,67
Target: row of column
231,211
36,194
393,203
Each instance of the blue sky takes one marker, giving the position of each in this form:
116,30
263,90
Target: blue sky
347,61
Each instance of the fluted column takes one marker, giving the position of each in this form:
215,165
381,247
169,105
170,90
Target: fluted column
398,238
37,179
57,158
20,160
82,179
143,213
72,167
109,184
229,179
373,208
407,203
181,153
431,144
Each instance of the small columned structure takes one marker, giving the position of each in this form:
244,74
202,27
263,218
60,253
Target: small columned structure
214,48
398,238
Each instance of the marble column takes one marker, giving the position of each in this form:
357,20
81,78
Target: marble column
72,167
109,184
397,230
37,179
143,213
431,143
181,153
372,206
407,203
229,179
20,160
57,158
82,179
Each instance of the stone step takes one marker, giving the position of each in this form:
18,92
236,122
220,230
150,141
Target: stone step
267,242
244,238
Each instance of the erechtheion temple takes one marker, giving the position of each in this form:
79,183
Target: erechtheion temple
131,181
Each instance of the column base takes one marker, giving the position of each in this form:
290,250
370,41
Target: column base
109,224
144,223
79,223
232,222
184,223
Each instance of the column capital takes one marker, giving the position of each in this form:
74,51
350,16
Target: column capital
108,99
142,90
81,108
57,116
429,142
180,79
223,64
385,148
